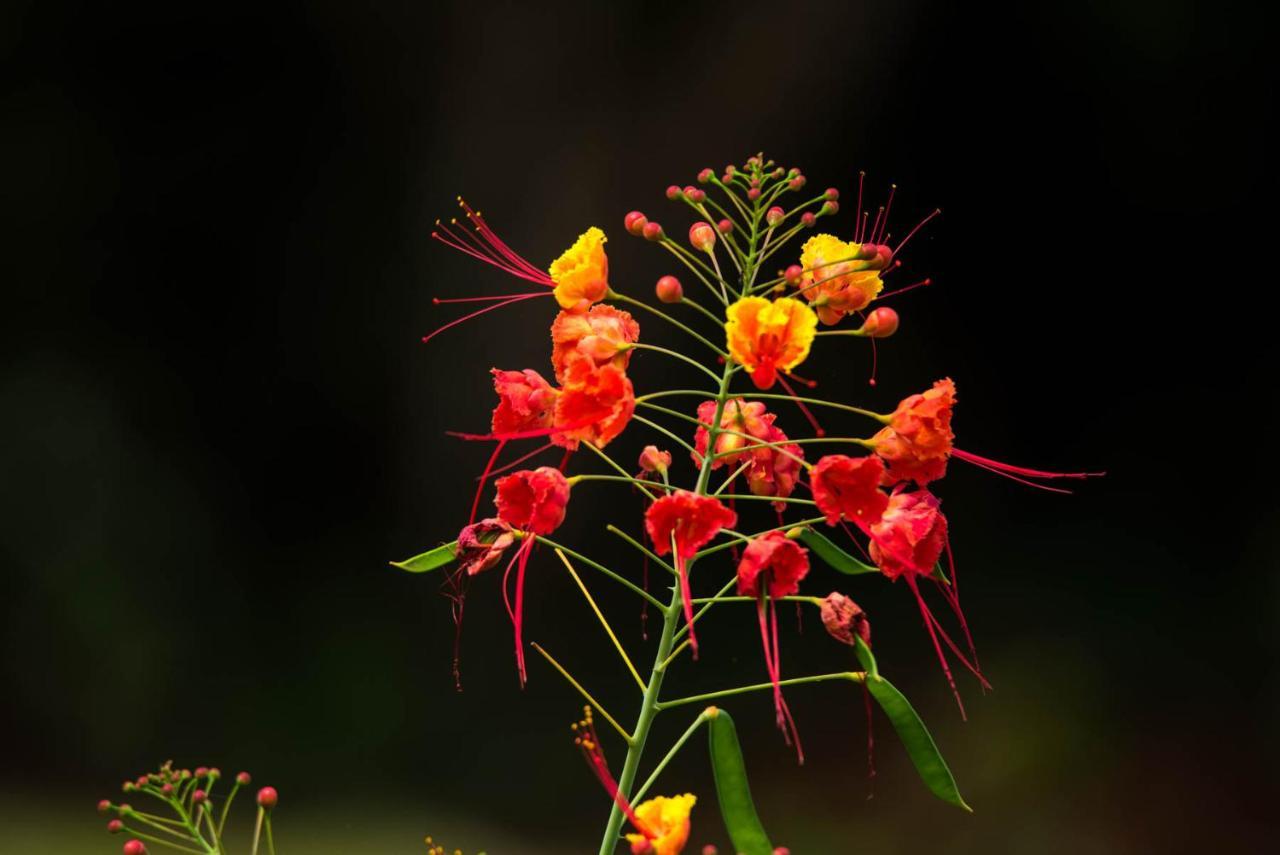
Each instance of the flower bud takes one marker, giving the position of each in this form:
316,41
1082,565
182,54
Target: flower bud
243,779
652,231
702,236
267,798
215,773
774,215
710,850
797,182
808,219
881,322
832,194
794,274
104,805
134,847
781,850
635,222
844,619
127,787
753,193
201,771
654,460
115,826
755,182
828,208
695,195
779,172
141,782
731,170
198,797
673,192
705,175
669,289
166,788
724,226
642,847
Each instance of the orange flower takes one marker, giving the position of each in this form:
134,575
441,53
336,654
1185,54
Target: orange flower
739,416
767,337
581,273
525,401
601,335
840,277
910,537
595,404
917,442
774,471
667,820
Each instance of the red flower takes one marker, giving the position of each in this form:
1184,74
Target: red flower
772,566
692,521
849,487
595,404
533,499
910,536
782,562
525,401
654,462
482,545
739,416
917,441
601,335
774,471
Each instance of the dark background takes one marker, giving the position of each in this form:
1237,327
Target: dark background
218,423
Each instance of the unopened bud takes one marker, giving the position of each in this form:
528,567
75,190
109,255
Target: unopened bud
778,173
695,195
844,619
808,219
267,798
793,274
705,175
243,779
753,193
669,289
201,771
652,231
642,847
652,459
724,226
127,787
166,788
198,797
134,847
215,773
634,223
774,215
832,194
881,322
796,183
781,850
710,850
731,170
673,192
828,208
104,805
702,236
115,826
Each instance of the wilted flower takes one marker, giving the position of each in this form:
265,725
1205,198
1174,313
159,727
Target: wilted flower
481,545
654,461
910,535
845,619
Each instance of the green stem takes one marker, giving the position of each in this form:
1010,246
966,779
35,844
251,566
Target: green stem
674,355
771,397
851,676
620,579
675,749
623,298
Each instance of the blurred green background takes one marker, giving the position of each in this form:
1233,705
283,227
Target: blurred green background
218,424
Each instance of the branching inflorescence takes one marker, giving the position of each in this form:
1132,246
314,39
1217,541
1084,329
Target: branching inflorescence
877,502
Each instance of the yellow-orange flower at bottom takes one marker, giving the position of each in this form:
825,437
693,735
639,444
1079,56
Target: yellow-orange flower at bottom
768,337
667,819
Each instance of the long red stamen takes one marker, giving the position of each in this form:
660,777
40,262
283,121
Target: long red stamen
875,226
484,476
513,464
897,249
686,595
482,228
857,232
526,549
589,743
440,301
875,363
951,593
507,302
783,710
1009,468
484,244
905,288
885,223
871,738
942,659
955,648
807,413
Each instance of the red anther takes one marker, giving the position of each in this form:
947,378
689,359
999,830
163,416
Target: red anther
104,805
793,274
705,175
134,847
774,215
652,231
796,183
243,779
753,193
808,218
267,797
832,194
198,797
115,826
882,322
702,236
669,289
829,208
635,222
673,192
725,226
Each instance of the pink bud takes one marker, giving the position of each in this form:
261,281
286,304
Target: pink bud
673,192
808,219
142,781
201,771
243,779
104,806
669,290
829,208
115,826
134,847
796,183
702,236
267,797
652,231
654,460
127,787
642,847
167,789
198,797
705,175
724,226
778,173
793,274
781,850
634,223
832,194
731,170
696,195
882,322
753,193
774,215
755,182
710,850
215,773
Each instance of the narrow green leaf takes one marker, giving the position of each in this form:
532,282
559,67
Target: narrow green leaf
733,789
919,744
430,560
865,656
833,555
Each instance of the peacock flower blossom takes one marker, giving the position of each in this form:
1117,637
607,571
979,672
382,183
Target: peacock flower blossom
738,417
772,566
689,521
844,619
910,536
481,545
601,335
775,470
594,406
581,273
917,442
849,488
667,818
533,500
526,401
767,337
840,277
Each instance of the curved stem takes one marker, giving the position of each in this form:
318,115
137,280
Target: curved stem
622,580
623,298
851,676
674,355
675,749
884,419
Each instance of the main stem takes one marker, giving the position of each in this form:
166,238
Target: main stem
670,616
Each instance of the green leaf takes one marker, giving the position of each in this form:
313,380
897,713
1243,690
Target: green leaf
865,656
430,560
833,555
919,744
733,790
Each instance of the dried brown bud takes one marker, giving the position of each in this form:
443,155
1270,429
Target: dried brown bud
844,619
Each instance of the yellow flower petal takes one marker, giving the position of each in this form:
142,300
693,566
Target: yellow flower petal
766,337
581,273
668,818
